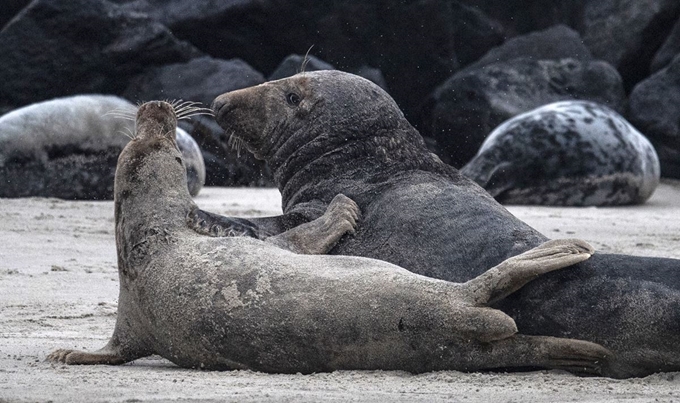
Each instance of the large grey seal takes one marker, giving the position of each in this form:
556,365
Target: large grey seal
570,153
242,303
328,132
67,147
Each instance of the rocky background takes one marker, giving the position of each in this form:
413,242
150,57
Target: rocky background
457,68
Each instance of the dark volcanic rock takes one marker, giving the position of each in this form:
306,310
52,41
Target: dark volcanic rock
558,42
523,16
669,49
627,33
414,44
10,8
225,165
464,110
201,79
293,64
654,108
55,48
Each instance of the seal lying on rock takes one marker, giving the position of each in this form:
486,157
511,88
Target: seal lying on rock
242,303
570,153
67,148
328,132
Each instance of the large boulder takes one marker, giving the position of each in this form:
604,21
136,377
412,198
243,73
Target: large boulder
415,44
627,33
554,43
225,163
517,17
200,80
294,64
669,49
10,8
464,110
56,48
654,108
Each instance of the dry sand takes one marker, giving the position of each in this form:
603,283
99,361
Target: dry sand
59,289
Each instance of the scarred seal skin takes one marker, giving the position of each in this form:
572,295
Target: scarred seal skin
68,147
236,302
329,132
571,153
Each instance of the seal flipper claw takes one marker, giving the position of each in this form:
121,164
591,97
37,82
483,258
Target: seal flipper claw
513,273
75,357
215,225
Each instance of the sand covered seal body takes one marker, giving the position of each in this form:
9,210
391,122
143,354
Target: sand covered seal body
329,132
243,303
76,141
571,153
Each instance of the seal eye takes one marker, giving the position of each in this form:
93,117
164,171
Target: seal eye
293,99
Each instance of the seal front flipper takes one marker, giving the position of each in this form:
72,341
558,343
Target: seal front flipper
319,236
215,225
513,273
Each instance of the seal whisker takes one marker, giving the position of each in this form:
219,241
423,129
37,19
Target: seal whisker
194,111
305,60
235,143
184,104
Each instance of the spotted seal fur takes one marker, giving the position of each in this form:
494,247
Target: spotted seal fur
570,153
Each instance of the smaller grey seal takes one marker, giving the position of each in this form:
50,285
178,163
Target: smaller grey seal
242,303
571,153
67,148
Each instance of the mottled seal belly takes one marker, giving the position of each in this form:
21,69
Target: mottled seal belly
68,147
571,153
244,303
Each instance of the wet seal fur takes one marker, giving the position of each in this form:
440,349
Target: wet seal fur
76,141
329,132
570,153
243,303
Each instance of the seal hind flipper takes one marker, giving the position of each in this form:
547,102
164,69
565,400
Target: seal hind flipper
522,351
513,273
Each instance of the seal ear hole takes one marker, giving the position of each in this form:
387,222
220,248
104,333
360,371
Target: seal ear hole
293,99
178,159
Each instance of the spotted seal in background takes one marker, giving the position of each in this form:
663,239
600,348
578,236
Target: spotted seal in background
329,132
243,303
68,147
571,153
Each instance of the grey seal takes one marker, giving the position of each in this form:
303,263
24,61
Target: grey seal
235,302
570,153
329,132
67,148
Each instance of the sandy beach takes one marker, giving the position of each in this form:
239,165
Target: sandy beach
59,289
